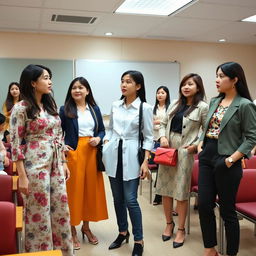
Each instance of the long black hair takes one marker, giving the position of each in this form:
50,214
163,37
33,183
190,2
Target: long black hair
70,107
30,74
138,79
167,100
9,102
199,96
234,70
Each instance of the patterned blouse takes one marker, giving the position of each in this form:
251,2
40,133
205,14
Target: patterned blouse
214,125
43,135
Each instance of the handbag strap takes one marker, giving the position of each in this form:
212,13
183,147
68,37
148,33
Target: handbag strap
97,124
95,118
140,125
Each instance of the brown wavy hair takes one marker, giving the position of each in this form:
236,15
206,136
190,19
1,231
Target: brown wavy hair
199,96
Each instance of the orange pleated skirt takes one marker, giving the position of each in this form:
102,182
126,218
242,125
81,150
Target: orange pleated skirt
85,188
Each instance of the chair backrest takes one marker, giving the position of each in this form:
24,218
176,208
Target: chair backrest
247,188
195,172
250,163
8,228
6,193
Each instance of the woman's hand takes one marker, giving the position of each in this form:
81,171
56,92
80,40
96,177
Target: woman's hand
191,149
253,151
199,147
144,169
228,164
157,121
66,171
23,185
94,141
164,142
6,161
68,147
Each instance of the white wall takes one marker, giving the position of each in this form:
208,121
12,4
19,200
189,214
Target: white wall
202,58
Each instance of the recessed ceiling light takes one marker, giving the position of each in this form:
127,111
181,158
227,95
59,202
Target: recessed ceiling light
149,7
108,34
222,40
250,19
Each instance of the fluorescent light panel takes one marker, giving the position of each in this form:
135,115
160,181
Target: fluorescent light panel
152,7
250,19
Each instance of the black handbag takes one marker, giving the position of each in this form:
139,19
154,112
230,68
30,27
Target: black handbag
141,151
100,165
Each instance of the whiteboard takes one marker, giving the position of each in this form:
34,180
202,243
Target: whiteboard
104,78
62,72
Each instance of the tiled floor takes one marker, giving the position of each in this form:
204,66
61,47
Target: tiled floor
153,223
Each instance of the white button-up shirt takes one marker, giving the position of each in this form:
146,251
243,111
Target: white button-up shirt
124,124
85,122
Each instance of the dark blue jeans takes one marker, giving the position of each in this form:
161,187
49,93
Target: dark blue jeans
125,196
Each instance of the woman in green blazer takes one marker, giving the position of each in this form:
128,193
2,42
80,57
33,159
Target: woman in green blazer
229,135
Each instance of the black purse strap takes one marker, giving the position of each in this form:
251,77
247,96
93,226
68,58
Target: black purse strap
97,124
140,125
95,118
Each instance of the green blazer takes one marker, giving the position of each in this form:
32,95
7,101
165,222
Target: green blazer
237,128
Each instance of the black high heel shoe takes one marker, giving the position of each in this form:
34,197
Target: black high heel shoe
119,240
137,249
166,238
176,244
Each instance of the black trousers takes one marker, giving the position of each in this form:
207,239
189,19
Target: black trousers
216,179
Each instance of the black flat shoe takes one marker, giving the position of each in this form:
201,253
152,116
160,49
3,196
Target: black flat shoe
137,249
157,200
176,244
166,238
195,207
119,240
174,213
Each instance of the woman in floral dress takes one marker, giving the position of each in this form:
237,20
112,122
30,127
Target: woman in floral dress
41,163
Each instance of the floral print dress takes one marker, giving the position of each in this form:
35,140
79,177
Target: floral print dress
47,221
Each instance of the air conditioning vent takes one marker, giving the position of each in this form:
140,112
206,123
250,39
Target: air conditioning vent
73,19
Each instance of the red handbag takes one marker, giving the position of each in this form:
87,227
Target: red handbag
166,156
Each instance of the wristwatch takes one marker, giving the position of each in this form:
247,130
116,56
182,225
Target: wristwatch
230,159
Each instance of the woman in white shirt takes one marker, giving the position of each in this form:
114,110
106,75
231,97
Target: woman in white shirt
161,105
120,156
83,128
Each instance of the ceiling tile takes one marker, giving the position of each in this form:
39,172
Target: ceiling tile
229,31
183,28
17,14
25,3
244,3
216,12
121,24
88,5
